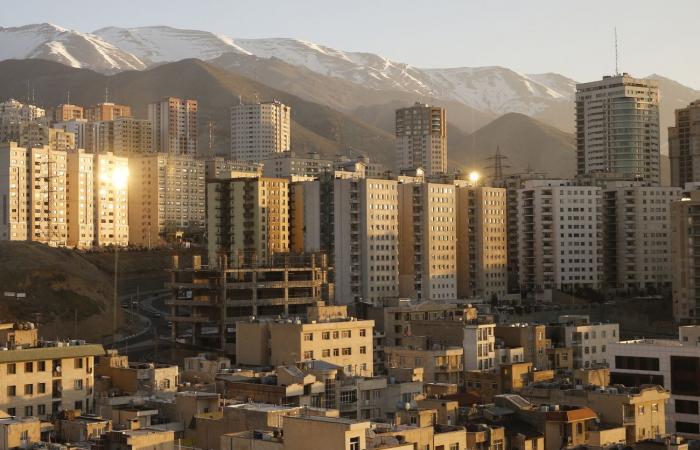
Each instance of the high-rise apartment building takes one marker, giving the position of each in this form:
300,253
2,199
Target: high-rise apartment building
124,136
174,126
481,241
13,192
685,237
559,233
617,127
47,196
636,233
111,174
511,183
106,111
167,198
247,219
427,239
259,130
421,139
684,145
66,112
81,199
37,135
366,239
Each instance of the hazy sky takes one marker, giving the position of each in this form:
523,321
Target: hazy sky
574,38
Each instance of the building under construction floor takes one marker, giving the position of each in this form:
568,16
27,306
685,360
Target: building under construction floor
207,301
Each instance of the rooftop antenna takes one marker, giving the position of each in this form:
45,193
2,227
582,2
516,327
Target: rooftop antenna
68,97
617,71
28,90
107,94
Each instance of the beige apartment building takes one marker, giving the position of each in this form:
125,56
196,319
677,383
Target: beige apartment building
685,236
328,334
81,199
38,135
684,145
42,378
637,235
440,363
427,239
166,198
13,110
66,112
123,136
260,130
247,219
106,111
13,192
111,174
47,196
366,239
174,126
421,139
482,247
117,375
532,338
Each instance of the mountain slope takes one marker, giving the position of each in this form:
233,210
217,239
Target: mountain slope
371,106
315,127
73,48
525,141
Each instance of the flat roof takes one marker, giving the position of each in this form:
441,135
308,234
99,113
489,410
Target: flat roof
37,353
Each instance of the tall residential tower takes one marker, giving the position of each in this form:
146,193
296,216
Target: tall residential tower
259,130
421,139
617,127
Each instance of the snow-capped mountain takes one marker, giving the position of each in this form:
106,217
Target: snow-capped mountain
165,44
73,48
490,89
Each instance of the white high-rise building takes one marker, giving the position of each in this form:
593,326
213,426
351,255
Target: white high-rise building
617,127
427,239
559,234
366,234
16,111
259,130
421,139
47,197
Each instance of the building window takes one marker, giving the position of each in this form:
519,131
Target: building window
347,334
347,351
336,335
78,384
687,407
11,391
79,404
363,332
308,336
29,367
309,354
42,366
11,369
363,350
336,352
28,411
354,443
326,335
325,353
41,388
12,411
78,363
28,389
687,427
454,446
41,410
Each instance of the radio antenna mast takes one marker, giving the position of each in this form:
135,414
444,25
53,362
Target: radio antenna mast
617,71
